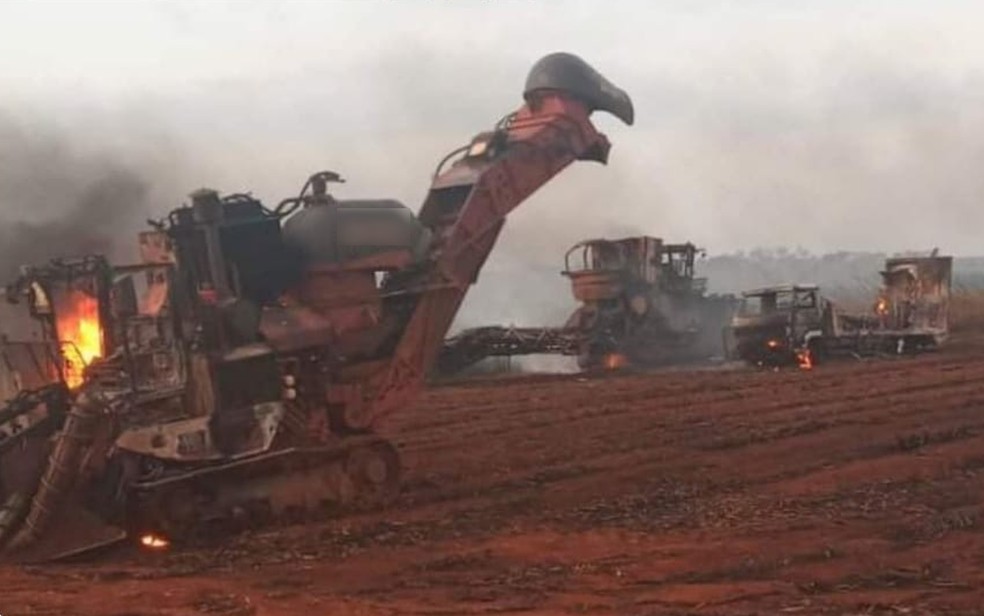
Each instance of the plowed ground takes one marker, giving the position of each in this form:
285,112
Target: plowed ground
853,488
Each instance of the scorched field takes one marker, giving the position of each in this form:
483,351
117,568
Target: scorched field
850,489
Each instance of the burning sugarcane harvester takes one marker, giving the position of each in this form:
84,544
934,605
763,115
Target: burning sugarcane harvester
796,325
641,305
234,376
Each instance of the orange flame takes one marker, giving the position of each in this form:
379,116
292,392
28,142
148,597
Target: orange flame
614,361
80,334
805,359
882,306
154,542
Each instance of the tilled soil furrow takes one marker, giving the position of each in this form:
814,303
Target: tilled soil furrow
716,408
586,444
853,488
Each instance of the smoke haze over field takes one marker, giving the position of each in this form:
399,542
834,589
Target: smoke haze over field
822,125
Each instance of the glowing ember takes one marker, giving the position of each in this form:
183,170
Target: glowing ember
772,344
805,359
154,542
882,307
79,334
614,361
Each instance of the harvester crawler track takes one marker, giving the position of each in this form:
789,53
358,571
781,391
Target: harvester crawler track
280,487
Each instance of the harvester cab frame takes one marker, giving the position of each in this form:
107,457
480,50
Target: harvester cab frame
601,269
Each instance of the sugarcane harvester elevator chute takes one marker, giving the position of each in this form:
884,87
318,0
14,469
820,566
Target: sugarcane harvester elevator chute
245,363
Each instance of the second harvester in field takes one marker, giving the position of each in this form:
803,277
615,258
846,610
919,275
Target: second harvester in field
640,305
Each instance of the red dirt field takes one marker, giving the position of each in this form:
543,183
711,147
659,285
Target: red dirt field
853,488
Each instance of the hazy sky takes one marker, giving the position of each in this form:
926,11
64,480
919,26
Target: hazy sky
823,124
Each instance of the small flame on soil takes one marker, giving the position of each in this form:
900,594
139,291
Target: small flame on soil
154,542
80,335
805,359
614,361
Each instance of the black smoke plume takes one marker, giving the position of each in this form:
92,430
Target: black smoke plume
62,198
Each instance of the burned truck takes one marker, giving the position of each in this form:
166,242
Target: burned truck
796,325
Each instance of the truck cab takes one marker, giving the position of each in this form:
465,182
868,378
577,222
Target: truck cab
775,325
